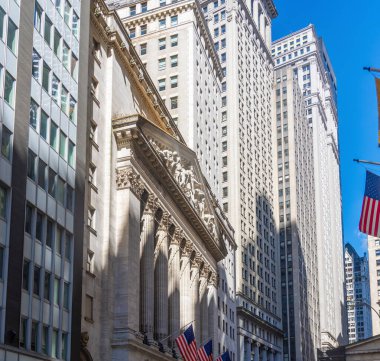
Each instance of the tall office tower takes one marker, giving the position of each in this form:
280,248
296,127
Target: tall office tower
155,233
242,38
41,177
305,53
295,194
174,42
374,281
357,295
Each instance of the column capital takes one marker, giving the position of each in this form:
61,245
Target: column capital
126,177
258,344
151,205
198,260
213,280
165,222
177,236
205,271
188,249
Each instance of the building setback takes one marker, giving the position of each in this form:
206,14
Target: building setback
357,295
155,233
41,177
305,53
295,194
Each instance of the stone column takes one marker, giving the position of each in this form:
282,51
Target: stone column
271,355
203,292
194,285
161,293
146,268
174,285
212,310
247,349
186,311
265,353
257,351
126,264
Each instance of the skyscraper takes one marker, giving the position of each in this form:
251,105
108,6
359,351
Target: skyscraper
242,37
295,194
374,281
41,176
305,53
358,295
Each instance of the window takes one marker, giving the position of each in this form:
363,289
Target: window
75,25
55,88
64,99
60,190
58,5
67,13
216,18
37,16
162,43
43,125
216,32
3,202
174,40
174,81
223,29
73,110
162,23
47,277
225,192
57,44
31,165
143,49
47,31
33,114
69,198
51,188
224,131
12,35
36,280
2,16
89,310
223,15
39,226
162,2
45,339
161,64
66,295
91,217
6,143
90,261
161,85
132,10
9,89
174,20
71,154
53,136
144,7
74,67
223,57
68,242
28,219
56,290
64,345
54,344
66,56
25,275
36,61
174,103
42,174
223,43
50,234
46,77
132,32
59,240
143,29
174,61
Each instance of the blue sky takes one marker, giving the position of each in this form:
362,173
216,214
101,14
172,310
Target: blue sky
351,32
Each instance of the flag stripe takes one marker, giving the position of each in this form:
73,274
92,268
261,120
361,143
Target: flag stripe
374,221
370,214
367,201
362,215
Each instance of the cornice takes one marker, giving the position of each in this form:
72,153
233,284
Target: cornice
144,151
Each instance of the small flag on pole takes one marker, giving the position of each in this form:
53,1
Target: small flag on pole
377,80
370,217
187,345
224,357
205,352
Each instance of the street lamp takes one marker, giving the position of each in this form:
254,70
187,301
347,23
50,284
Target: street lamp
366,304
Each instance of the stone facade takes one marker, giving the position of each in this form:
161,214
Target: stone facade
155,232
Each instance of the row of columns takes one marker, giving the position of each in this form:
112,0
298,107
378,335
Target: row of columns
176,285
255,351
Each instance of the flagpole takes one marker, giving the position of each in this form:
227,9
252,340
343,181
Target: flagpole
368,68
366,161
175,332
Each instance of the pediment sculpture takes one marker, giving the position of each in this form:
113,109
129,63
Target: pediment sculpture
185,175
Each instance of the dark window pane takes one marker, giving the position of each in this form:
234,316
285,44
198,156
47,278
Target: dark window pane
25,275
36,280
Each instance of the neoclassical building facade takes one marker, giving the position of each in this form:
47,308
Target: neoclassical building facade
155,232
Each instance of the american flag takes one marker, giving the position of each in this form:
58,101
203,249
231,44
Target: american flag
370,217
224,357
187,345
205,352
